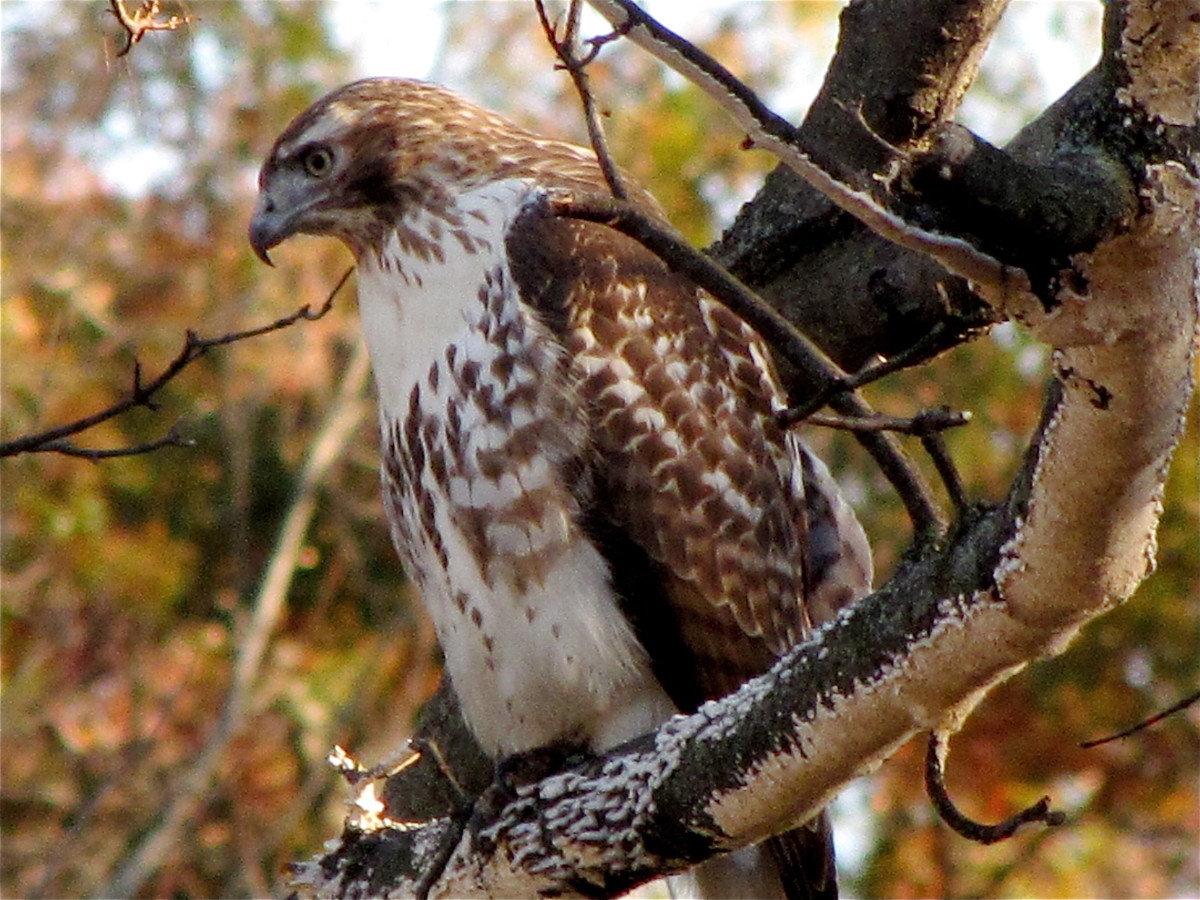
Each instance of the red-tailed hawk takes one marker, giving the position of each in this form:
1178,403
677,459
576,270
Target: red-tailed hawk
581,465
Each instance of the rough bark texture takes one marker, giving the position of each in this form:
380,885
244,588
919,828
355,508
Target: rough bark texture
1097,203
887,91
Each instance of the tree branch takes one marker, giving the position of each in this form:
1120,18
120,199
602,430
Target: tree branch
854,293
566,49
142,393
935,446
922,424
1005,285
935,786
923,350
144,20
1171,710
171,439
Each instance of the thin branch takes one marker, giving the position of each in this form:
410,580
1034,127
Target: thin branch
142,393
806,356
171,439
924,423
566,48
935,785
935,446
596,44
145,19
924,349
765,129
1153,720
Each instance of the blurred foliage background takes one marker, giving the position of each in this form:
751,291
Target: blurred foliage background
141,593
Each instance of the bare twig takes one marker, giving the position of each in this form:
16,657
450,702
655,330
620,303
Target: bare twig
809,359
928,425
1153,720
145,19
935,446
935,785
171,439
923,350
926,422
567,50
142,393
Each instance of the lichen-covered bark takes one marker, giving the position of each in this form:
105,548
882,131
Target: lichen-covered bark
1124,358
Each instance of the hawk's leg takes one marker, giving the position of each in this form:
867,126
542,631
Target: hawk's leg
531,766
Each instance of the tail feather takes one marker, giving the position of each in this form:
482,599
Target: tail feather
805,860
796,865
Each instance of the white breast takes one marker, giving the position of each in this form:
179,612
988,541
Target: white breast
477,424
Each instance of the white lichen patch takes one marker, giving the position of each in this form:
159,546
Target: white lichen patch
1161,46
571,824
851,732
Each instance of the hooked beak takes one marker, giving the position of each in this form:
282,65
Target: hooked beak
268,228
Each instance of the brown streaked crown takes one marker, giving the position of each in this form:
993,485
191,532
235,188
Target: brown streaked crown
392,144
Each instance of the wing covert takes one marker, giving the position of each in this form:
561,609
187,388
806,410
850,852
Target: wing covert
687,460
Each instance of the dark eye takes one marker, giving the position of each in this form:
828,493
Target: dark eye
318,162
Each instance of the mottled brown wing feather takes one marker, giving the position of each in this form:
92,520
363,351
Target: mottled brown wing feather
689,462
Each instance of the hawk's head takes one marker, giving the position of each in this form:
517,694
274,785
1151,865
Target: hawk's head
357,161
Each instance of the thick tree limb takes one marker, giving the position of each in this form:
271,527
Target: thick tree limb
891,93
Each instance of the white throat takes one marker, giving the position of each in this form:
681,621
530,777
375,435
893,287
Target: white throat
413,303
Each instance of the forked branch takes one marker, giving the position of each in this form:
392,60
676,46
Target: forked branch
144,19
566,48
769,131
142,393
